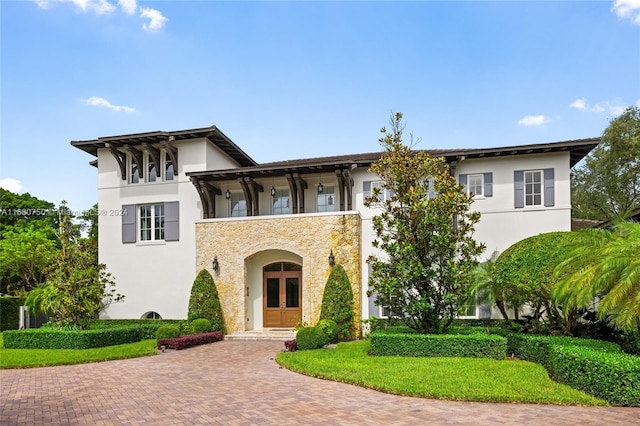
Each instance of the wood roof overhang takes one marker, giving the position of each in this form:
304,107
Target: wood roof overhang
212,134
577,150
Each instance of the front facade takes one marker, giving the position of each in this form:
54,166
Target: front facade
174,203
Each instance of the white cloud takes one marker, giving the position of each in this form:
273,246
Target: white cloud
579,104
157,21
102,102
128,6
628,9
11,184
533,120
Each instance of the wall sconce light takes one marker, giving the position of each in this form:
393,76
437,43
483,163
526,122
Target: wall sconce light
273,191
330,200
332,259
227,194
320,188
216,265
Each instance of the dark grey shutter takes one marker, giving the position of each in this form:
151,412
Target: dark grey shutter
128,223
374,311
172,221
366,189
549,195
488,184
518,185
463,180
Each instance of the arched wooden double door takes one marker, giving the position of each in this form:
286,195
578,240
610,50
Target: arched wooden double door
282,294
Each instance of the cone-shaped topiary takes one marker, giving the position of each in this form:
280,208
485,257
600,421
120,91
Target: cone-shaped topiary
204,301
337,302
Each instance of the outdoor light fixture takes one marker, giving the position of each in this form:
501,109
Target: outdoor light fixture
330,200
216,265
273,191
227,194
320,188
332,259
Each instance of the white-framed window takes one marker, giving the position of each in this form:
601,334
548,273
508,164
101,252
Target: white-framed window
368,187
151,167
151,222
475,184
327,200
168,167
135,178
281,202
152,315
533,188
238,204
385,308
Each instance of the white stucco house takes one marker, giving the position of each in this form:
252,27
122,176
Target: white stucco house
173,203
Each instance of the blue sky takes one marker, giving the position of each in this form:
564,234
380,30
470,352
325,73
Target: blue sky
287,80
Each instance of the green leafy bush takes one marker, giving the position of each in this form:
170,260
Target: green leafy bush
311,338
52,338
337,303
329,328
167,332
10,312
201,325
438,345
205,302
612,376
147,327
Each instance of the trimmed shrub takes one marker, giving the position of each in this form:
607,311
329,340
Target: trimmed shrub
612,376
185,342
630,342
10,312
205,301
51,338
337,303
167,332
329,328
290,345
147,327
311,338
438,345
201,325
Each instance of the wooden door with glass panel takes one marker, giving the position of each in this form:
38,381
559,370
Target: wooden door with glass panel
282,294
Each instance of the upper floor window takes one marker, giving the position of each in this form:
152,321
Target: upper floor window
135,177
368,188
281,202
152,170
327,200
238,204
168,168
475,184
534,188
152,222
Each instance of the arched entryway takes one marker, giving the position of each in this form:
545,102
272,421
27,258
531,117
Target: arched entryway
282,295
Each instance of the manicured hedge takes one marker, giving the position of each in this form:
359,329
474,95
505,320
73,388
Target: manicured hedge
184,342
438,345
48,338
311,338
593,366
614,377
148,327
10,312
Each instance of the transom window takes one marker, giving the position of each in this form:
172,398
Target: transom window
238,204
533,188
152,222
327,200
475,184
281,202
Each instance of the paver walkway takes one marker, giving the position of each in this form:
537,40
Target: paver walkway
239,383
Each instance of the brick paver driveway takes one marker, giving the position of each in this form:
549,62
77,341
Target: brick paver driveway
239,383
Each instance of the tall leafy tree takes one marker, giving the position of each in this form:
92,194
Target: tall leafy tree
425,233
607,185
77,287
606,275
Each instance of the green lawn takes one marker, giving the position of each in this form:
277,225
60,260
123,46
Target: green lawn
26,358
461,379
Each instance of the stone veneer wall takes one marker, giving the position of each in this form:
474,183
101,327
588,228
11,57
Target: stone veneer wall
310,236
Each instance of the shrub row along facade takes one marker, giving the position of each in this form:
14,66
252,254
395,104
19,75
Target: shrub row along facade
174,203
